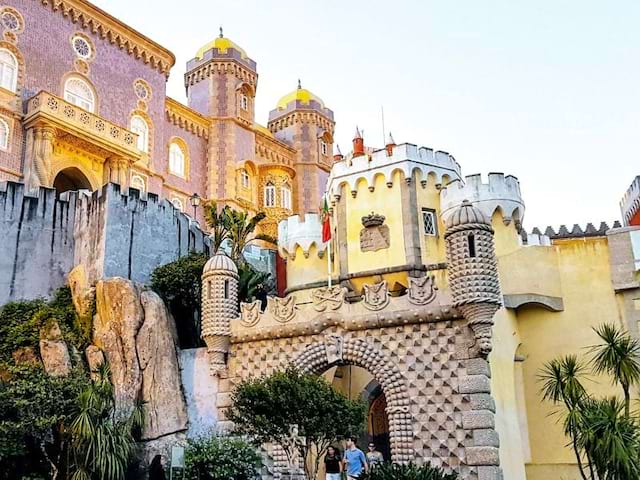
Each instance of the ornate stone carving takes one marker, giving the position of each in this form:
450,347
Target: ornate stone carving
333,348
376,296
422,290
328,298
283,309
374,238
373,220
250,313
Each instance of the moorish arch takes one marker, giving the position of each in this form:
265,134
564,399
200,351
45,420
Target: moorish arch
318,357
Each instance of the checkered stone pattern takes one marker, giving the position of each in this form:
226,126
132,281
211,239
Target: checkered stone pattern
418,366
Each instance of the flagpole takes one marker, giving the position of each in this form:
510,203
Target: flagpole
329,261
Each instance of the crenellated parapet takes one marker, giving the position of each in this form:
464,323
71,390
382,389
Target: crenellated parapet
406,158
294,232
630,203
576,231
501,192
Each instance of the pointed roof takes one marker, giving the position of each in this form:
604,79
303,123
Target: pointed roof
357,134
390,140
337,152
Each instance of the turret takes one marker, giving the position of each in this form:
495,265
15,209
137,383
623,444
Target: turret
337,154
219,307
358,144
473,271
390,144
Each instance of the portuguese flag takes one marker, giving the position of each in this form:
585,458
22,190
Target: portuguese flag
326,221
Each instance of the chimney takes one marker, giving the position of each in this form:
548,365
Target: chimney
358,144
390,144
337,155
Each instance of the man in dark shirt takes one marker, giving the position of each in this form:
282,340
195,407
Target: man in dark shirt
333,464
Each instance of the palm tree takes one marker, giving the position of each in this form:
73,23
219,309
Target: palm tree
561,379
102,445
219,223
618,356
242,232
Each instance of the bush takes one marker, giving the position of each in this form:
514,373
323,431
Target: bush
221,458
393,471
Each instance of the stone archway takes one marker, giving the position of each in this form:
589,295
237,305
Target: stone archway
71,178
319,356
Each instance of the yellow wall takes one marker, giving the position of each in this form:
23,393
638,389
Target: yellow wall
303,270
433,248
384,201
506,237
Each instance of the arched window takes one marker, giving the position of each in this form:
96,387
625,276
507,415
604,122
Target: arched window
139,126
244,102
176,159
285,197
269,195
78,92
137,182
245,180
177,203
8,70
4,135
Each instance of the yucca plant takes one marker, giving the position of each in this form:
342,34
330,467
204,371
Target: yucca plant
102,445
242,229
218,222
619,357
394,471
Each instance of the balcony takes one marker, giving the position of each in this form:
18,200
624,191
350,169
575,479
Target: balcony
91,131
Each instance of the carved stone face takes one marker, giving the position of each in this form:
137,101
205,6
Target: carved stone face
485,346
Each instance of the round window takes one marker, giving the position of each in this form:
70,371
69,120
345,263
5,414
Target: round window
142,91
10,21
82,47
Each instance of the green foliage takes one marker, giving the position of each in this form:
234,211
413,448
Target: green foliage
221,458
218,222
102,445
242,232
265,408
603,434
179,285
394,471
251,283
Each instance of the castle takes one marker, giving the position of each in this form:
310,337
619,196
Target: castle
442,308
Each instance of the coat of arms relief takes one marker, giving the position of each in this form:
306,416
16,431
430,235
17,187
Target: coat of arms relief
422,290
376,296
283,309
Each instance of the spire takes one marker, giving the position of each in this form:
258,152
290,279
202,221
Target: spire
390,140
358,134
221,34
299,84
358,144
337,154
390,144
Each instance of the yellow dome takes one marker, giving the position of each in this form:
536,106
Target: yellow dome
222,44
300,94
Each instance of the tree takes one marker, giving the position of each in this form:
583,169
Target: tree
267,407
604,436
242,232
220,458
219,223
252,283
102,445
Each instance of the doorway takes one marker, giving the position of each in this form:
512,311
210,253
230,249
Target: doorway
71,179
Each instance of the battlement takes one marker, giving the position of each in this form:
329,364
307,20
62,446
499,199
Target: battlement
576,231
630,203
296,232
500,192
406,158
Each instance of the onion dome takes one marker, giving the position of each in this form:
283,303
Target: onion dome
221,264
466,214
301,95
222,43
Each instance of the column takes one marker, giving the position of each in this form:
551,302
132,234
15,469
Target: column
40,140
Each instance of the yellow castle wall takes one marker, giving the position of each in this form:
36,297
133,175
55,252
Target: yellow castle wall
306,269
433,247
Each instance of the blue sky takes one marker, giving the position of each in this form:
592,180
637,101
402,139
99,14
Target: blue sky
544,90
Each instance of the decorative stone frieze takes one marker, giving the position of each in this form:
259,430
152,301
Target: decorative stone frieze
250,313
282,309
376,296
328,298
422,291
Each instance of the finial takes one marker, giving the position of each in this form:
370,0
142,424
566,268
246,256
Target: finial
221,34
390,140
358,134
338,152
299,84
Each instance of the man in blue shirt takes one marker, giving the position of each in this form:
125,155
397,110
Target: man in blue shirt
354,460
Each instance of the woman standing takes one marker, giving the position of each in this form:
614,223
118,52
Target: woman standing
333,464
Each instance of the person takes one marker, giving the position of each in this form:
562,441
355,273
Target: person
333,464
156,471
374,457
354,460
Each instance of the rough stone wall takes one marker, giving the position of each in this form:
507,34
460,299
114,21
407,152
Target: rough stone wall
200,390
36,235
431,358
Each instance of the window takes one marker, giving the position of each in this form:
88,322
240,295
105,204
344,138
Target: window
8,70
176,160
141,89
81,47
4,135
323,147
269,195
226,289
285,197
244,102
78,92
138,183
139,126
472,245
244,179
429,220
177,203
10,21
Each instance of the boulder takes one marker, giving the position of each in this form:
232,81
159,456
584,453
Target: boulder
95,358
82,294
54,351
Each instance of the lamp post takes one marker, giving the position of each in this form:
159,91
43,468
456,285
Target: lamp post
195,203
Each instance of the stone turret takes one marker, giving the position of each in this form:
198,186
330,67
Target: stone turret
473,271
219,307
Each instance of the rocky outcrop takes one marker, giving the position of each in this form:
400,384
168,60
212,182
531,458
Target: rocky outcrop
54,351
82,293
95,358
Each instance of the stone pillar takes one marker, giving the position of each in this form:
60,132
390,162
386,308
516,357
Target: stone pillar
411,224
483,450
39,153
116,170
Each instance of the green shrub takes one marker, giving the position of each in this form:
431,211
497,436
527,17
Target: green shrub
221,458
394,471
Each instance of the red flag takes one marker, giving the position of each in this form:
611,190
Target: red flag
326,222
